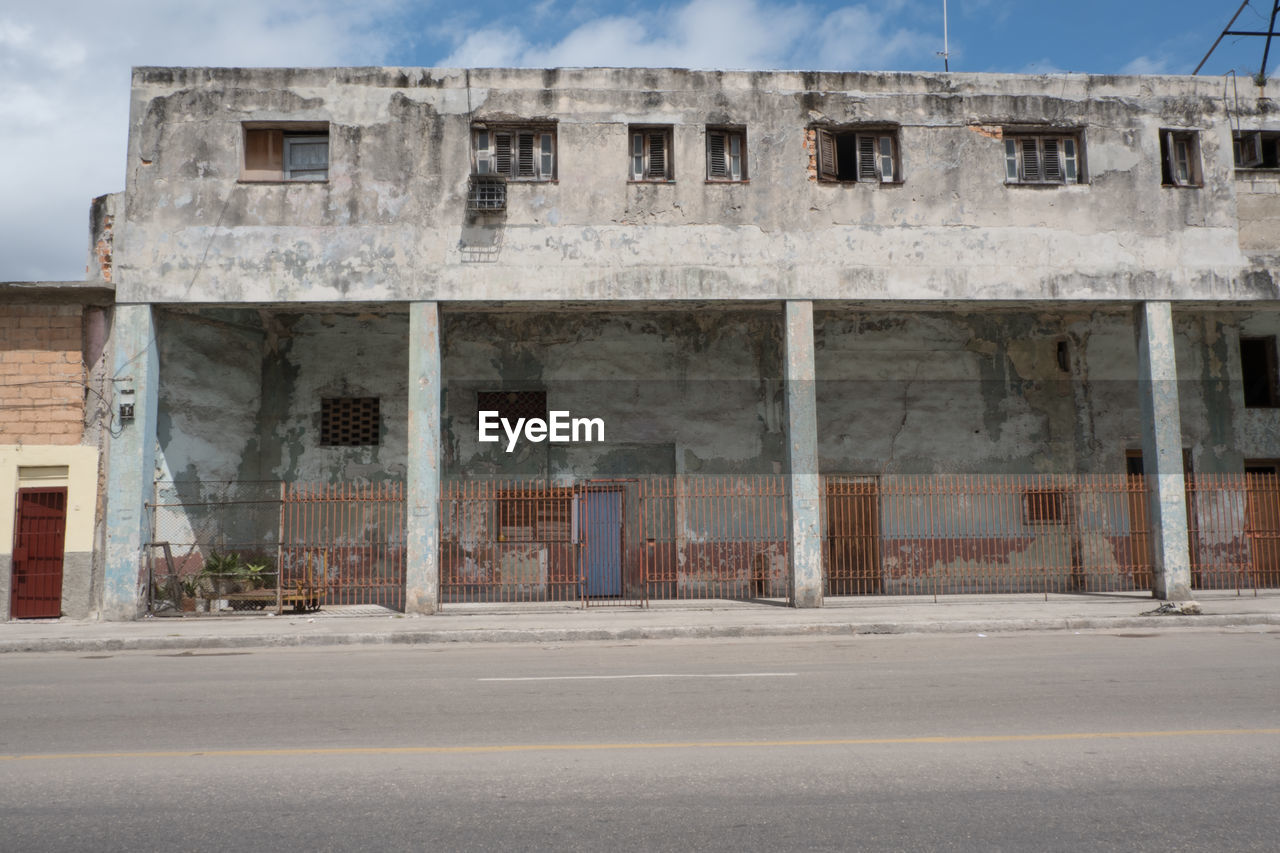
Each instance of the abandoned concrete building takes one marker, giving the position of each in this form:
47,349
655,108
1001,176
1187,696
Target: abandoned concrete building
422,338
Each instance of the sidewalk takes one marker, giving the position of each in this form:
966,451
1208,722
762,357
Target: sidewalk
662,620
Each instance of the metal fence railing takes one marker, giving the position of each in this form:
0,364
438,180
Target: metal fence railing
613,542
1051,533
228,547
243,546
908,535
715,537
1234,524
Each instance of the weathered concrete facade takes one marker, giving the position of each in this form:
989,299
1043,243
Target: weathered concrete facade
956,319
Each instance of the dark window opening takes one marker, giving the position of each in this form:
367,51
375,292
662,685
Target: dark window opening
350,421
1258,370
535,515
865,155
513,405
1180,159
1044,506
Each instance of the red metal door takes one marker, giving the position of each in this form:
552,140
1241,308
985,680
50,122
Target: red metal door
37,553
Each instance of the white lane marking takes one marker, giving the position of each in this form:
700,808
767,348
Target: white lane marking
646,675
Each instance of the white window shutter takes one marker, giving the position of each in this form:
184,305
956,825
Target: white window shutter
548,166
637,156
887,171
1070,160
484,154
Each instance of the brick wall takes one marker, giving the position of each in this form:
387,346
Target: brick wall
42,376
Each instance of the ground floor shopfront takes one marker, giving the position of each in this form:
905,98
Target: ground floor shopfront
785,451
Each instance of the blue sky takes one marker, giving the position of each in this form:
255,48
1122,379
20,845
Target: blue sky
64,64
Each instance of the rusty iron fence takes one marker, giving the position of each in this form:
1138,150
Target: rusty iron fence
508,541
232,547
1051,533
904,535
345,542
1234,526
715,537
613,542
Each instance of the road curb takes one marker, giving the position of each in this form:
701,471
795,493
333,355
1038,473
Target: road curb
663,632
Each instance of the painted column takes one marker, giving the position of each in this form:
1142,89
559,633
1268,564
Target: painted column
802,457
1162,452
131,460
422,530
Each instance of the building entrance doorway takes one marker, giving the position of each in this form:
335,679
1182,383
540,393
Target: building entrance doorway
38,542
601,513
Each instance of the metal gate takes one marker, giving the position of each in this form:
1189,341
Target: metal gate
38,542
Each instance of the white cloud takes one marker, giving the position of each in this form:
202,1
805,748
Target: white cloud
1146,65
64,96
729,34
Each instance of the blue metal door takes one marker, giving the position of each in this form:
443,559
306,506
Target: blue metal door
603,513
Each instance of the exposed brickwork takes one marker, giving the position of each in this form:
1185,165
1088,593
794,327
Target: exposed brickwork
102,248
811,148
42,376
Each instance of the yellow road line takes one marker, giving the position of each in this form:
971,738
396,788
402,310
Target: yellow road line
586,747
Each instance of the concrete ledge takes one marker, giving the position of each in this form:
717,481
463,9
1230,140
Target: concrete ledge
673,632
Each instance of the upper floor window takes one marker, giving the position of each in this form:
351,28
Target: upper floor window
292,152
1256,149
726,154
516,153
1180,158
1042,158
1259,373
863,154
651,154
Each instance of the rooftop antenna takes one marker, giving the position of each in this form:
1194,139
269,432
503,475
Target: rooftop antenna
945,53
1269,34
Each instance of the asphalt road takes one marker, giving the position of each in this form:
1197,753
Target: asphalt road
1063,741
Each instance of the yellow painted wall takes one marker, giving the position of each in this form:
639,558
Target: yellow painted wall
81,481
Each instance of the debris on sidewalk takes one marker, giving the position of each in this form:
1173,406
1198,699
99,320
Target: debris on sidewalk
1175,608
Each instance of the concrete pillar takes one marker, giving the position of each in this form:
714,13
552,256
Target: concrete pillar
422,531
131,460
1162,452
802,453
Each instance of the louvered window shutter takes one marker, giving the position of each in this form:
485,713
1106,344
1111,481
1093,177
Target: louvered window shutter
502,153
657,155
717,167
826,156
524,155
1030,159
1052,160
867,159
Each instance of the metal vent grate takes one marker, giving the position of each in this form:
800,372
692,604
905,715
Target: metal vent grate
513,405
349,421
